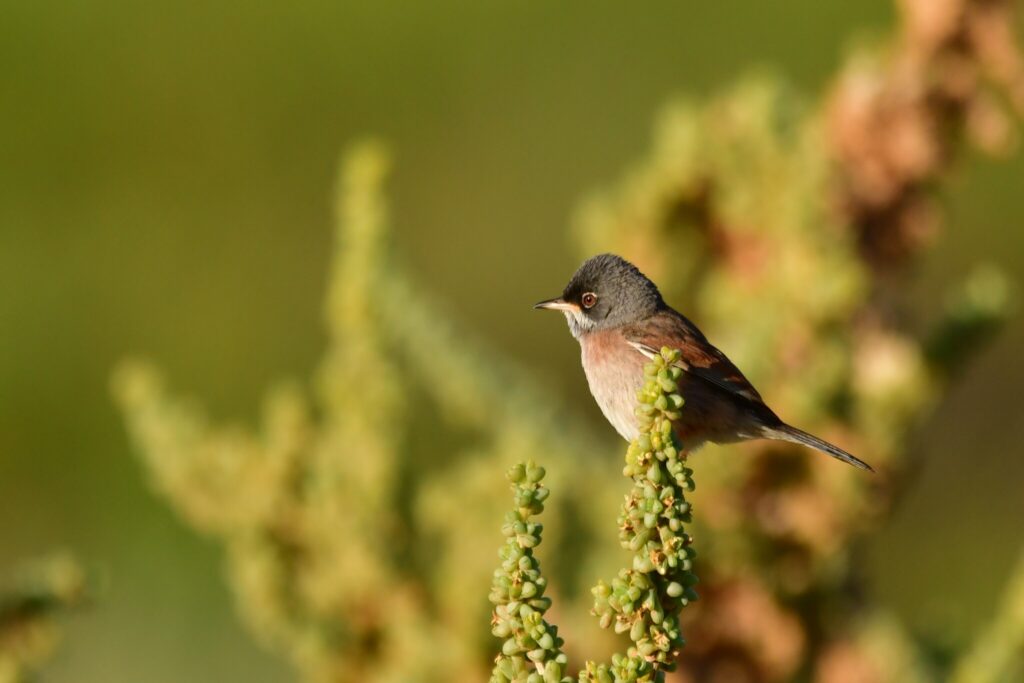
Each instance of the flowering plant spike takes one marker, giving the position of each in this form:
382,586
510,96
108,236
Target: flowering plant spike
531,651
643,600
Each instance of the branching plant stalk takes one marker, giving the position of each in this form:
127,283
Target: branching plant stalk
643,600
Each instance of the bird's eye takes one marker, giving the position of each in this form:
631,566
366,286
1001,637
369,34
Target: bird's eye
589,299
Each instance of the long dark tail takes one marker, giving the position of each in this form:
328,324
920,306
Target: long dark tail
786,433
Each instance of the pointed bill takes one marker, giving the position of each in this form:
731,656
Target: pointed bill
558,304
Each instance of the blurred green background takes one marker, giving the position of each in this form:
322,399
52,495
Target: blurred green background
165,181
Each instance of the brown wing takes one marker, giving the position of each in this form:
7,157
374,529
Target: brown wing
699,357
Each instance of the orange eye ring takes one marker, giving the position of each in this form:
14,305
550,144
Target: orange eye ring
588,300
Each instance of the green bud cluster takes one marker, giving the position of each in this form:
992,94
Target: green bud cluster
531,651
645,599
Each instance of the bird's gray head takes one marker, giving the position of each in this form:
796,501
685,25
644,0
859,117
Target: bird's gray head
606,292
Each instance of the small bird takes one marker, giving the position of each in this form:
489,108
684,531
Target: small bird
620,320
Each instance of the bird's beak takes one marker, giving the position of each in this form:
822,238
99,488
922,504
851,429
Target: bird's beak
558,304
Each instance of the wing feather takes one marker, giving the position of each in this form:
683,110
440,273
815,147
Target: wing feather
699,358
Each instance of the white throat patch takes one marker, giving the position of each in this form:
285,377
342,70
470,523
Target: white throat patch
578,323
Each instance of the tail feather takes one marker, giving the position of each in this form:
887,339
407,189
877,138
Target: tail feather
793,435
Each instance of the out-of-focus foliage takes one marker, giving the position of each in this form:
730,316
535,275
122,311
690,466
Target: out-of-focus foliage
782,227
30,603
993,655
792,220
347,550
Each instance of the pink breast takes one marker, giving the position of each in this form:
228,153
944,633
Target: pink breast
614,371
